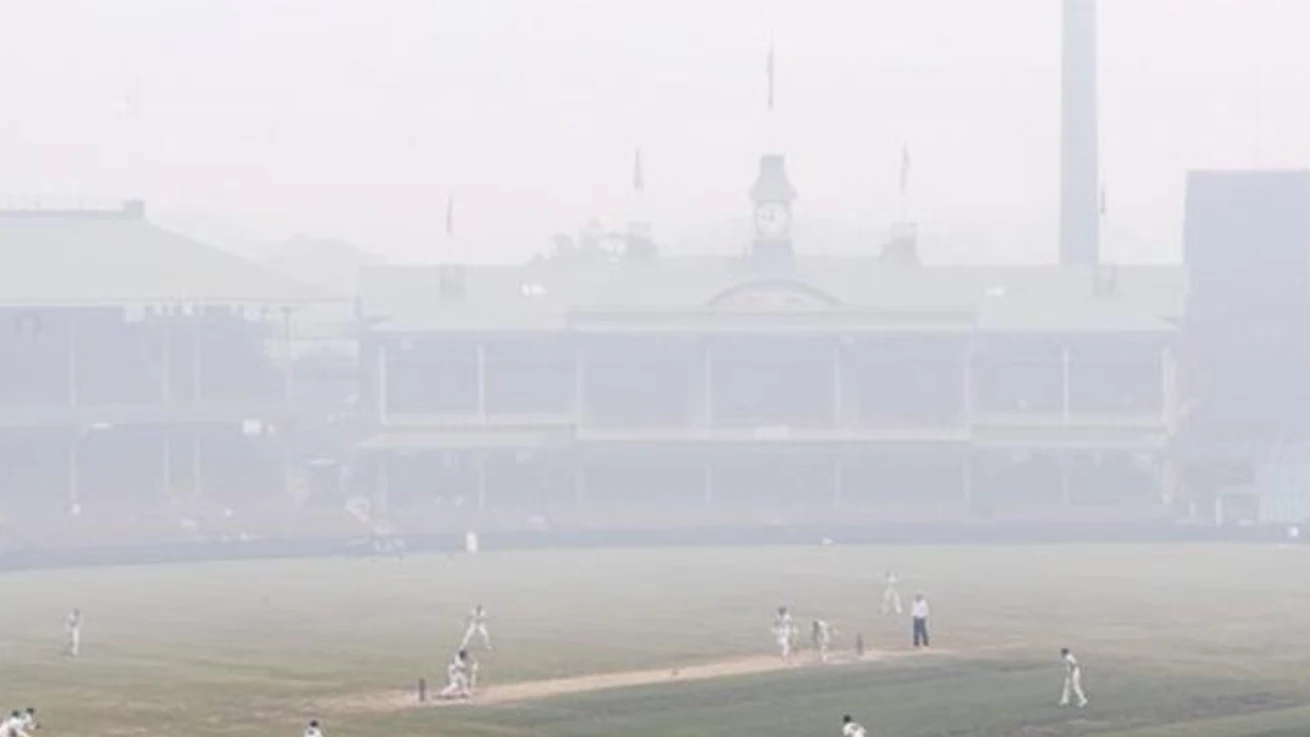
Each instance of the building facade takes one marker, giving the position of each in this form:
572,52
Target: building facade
770,388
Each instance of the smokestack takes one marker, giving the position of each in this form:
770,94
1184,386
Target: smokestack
1080,211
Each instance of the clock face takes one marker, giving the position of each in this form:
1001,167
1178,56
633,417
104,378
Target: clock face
772,219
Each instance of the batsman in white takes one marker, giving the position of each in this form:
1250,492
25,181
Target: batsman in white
891,599
1073,680
14,725
462,674
313,730
852,728
476,625
784,631
821,636
73,633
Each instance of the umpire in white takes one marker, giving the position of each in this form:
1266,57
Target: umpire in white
919,616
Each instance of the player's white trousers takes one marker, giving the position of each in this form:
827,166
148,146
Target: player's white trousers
891,602
476,630
1073,689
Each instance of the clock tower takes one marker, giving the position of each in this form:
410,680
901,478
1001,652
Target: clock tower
771,197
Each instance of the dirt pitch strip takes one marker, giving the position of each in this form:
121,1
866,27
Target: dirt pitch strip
511,693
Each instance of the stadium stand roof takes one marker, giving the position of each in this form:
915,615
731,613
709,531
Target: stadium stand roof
66,257
546,295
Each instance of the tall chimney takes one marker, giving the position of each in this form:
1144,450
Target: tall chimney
1080,206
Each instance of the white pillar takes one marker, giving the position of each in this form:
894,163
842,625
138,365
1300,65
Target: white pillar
709,481
966,478
166,365
196,373
707,379
166,465
968,403
838,416
1064,381
579,480
1168,478
74,470
382,395
1169,387
382,491
838,480
1065,491
72,360
288,371
579,384
197,467
481,473
482,382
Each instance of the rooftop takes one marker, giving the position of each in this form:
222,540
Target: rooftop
85,257
552,295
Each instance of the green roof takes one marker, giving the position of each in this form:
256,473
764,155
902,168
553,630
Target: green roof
118,257
554,295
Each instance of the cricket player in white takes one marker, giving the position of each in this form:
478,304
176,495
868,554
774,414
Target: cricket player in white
783,632
1073,680
476,624
821,635
73,633
13,726
29,720
462,674
891,599
852,728
313,730
919,620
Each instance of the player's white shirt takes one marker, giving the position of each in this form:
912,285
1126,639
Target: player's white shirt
853,729
919,609
1070,664
13,727
821,630
29,721
462,666
782,624
477,617
313,732
74,621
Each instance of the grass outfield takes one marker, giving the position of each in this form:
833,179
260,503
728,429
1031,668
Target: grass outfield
1175,640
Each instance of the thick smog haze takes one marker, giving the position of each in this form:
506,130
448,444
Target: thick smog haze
247,122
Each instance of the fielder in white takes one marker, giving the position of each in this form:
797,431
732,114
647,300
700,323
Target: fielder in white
1073,680
821,636
73,633
852,728
313,730
463,676
476,625
891,599
784,631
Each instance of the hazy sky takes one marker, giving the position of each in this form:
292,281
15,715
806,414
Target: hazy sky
353,119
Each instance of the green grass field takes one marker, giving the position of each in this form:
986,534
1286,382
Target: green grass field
1175,640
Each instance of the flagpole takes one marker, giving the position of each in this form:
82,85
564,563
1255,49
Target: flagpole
450,223
770,120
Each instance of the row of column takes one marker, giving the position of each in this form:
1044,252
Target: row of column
73,368
1169,383
196,448
1168,481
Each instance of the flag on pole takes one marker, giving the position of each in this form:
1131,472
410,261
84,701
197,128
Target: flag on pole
638,176
770,70
905,170
450,215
